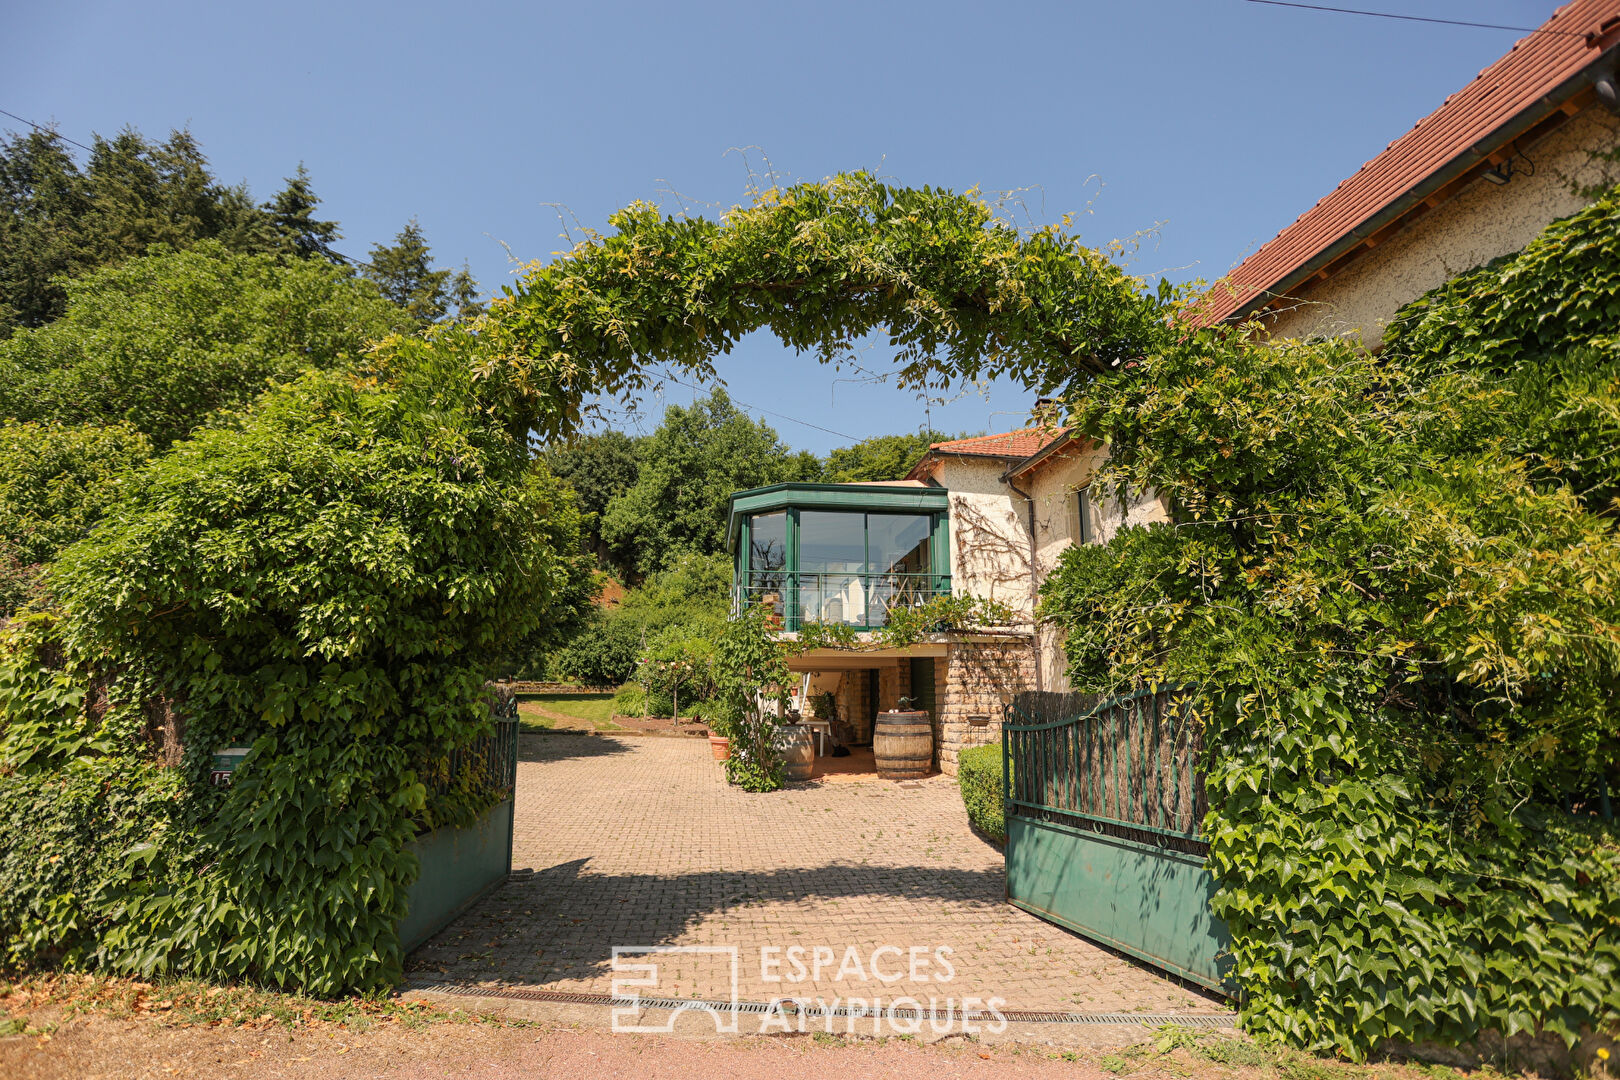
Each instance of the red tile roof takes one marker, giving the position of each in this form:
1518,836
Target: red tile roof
1008,446
1011,444
1570,41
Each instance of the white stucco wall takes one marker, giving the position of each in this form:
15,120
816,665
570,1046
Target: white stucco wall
1054,484
989,538
1479,223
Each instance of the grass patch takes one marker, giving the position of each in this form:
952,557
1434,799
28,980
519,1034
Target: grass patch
546,712
597,708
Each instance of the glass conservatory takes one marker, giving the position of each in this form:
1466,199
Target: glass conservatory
839,553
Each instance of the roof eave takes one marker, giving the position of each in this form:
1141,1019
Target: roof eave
1475,156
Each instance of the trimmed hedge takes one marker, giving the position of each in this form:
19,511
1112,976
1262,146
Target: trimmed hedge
979,776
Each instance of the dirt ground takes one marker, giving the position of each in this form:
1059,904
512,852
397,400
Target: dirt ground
89,1028
101,1048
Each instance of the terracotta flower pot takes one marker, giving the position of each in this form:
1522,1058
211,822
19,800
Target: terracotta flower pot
720,747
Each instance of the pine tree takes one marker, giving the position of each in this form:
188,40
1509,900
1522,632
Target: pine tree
294,228
43,199
59,220
404,273
464,294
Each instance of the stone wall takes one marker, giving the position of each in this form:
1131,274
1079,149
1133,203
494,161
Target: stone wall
971,681
851,699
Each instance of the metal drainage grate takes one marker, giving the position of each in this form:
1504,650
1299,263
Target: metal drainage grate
789,1005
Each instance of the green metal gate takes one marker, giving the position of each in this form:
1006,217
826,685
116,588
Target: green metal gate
1103,809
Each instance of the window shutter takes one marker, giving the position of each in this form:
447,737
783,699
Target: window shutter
1072,504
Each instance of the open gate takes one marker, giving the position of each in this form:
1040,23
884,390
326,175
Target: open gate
1103,804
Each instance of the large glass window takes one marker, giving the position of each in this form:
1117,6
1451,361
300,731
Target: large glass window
898,543
849,566
832,566
767,541
767,561
832,542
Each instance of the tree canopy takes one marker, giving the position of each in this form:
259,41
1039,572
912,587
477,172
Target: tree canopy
881,457
59,221
688,470
161,343
404,273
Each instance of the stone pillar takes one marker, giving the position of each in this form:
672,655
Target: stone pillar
976,675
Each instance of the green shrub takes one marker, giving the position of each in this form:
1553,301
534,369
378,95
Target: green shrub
678,667
978,774
323,583
55,483
75,836
604,654
659,703
1397,580
716,712
748,659
630,700
162,342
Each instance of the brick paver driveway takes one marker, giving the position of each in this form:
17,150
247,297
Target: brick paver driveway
640,841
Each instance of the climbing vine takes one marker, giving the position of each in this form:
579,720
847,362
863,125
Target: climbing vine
1397,579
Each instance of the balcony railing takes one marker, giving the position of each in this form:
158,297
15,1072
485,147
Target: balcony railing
862,601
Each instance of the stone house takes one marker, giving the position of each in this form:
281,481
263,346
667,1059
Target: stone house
1478,177
985,516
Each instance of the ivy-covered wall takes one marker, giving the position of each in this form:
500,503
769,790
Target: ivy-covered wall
1397,579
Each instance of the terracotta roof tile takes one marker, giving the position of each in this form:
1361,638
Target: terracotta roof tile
1011,444
1538,64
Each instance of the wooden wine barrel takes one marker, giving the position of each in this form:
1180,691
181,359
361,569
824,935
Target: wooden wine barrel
903,744
800,750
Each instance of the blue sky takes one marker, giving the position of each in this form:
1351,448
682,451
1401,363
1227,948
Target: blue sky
1213,123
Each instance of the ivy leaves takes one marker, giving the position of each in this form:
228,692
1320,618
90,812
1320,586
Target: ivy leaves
1396,577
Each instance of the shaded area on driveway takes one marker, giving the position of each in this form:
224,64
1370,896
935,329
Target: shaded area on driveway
640,842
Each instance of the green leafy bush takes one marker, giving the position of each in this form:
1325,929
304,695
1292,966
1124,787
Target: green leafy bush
677,669
604,654
978,774
630,700
162,342
55,482
1397,579
77,836
324,583
750,667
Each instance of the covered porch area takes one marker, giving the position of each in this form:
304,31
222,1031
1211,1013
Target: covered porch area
960,681
854,687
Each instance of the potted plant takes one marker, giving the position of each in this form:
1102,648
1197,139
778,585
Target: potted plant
722,723
750,667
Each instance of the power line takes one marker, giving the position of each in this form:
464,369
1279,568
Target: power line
1416,18
52,132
